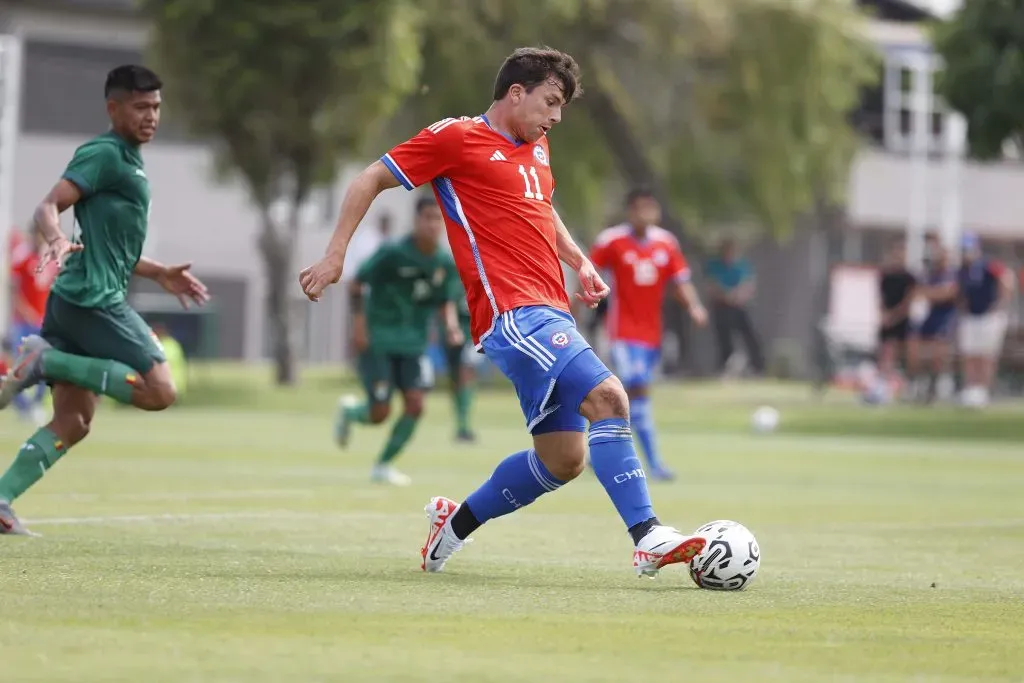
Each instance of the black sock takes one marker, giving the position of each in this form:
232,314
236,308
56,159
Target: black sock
638,531
464,522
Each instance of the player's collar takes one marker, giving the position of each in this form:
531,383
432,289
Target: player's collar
515,142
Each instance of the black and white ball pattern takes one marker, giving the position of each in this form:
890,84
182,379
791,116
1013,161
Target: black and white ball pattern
730,560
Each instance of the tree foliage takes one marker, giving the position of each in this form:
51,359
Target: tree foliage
983,50
284,90
727,110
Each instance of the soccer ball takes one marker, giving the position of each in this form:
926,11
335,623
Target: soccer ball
730,560
765,419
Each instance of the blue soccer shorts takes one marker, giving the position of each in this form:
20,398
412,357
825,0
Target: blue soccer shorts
550,364
634,363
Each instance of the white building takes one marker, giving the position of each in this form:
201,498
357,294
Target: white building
67,48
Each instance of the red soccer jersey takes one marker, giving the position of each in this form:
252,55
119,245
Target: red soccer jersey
495,195
32,288
639,270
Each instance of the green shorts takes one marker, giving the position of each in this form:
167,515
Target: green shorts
116,332
382,373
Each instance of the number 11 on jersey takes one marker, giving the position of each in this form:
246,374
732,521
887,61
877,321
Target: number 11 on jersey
531,193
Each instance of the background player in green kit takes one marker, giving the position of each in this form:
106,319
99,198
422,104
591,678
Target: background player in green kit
404,284
92,343
462,361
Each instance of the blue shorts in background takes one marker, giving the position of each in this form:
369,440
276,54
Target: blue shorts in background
938,325
550,364
635,364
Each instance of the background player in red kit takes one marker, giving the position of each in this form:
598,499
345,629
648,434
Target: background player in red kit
31,288
642,260
492,179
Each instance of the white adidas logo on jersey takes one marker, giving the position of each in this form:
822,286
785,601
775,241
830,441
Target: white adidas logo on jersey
498,156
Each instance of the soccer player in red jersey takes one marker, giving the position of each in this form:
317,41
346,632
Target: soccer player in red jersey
642,259
492,179
31,289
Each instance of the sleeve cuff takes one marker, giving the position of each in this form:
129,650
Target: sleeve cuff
682,276
397,172
79,181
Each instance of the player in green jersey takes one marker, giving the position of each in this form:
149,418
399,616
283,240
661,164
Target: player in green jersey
404,284
92,343
462,362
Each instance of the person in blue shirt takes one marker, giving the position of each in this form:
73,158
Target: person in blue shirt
732,286
985,287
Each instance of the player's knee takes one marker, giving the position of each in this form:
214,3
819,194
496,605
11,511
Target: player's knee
414,405
379,412
606,401
159,396
564,460
571,465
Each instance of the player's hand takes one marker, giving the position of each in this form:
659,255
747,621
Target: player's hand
183,284
317,277
699,315
455,336
592,288
56,251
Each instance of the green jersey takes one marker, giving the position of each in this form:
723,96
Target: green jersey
406,289
458,295
111,220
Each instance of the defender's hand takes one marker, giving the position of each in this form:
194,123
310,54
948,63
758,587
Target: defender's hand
319,276
181,283
57,251
593,288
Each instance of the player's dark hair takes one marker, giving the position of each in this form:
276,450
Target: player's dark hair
638,193
424,203
531,66
124,80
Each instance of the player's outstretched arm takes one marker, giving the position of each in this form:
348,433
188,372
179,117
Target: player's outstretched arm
687,295
47,218
360,194
177,280
592,287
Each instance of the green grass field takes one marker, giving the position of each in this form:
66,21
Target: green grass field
215,544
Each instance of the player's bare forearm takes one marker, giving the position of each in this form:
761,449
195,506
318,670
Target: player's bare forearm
47,220
569,252
686,294
360,195
47,214
149,269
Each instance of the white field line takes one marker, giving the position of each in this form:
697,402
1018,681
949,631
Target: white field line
184,497
218,517
534,519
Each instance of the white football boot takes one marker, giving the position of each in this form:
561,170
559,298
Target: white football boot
663,546
386,474
441,540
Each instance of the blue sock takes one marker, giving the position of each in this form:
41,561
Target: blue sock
643,424
517,481
619,470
